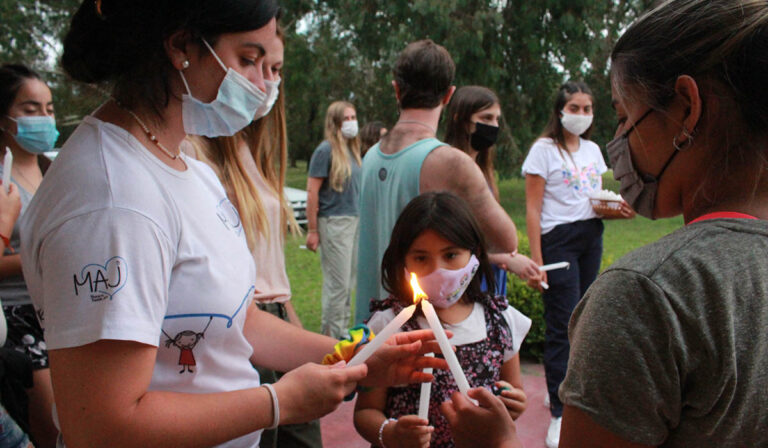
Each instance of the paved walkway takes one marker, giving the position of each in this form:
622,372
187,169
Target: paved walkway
339,432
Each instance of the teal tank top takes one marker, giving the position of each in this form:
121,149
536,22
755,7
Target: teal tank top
387,184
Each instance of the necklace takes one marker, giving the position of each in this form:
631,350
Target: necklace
150,135
434,131
33,187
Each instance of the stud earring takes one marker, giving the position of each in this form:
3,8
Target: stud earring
185,65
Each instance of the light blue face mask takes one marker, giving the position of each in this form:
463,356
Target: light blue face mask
36,134
233,109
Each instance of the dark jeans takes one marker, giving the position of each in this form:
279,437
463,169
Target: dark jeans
300,435
581,244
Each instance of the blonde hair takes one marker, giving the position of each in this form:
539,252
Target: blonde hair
222,155
341,147
267,140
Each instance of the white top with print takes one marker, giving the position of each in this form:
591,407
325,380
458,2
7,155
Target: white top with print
570,181
117,245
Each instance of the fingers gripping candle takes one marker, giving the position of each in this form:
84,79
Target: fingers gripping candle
440,336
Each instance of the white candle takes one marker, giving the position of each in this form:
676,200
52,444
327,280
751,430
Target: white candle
7,165
392,327
545,285
445,347
426,390
553,266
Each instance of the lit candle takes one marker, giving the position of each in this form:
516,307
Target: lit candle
441,337
426,390
553,266
392,327
7,165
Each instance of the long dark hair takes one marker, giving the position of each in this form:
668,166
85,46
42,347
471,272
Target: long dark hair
448,215
467,101
554,128
122,42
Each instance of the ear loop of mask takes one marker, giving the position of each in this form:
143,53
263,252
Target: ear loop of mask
221,64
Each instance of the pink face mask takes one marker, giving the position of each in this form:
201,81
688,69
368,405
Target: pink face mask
444,287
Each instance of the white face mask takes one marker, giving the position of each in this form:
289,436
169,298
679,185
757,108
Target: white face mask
576,124
349,129
273,91
233,109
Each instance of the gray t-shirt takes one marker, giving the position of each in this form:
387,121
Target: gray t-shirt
13,289
669,346
332,202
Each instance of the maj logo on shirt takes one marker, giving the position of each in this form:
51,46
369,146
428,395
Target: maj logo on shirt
228,215
101,281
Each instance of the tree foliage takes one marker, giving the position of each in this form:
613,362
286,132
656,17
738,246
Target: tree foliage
345,49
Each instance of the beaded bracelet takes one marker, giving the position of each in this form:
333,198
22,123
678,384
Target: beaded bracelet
381,430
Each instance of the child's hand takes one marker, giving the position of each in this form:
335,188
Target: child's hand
409,431
312,390
514,399
10,206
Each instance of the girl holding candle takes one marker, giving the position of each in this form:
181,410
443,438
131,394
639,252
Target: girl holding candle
437,238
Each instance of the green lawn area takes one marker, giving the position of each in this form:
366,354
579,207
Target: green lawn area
621,236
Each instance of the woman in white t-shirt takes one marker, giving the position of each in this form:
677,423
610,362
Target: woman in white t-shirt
562,169
137,261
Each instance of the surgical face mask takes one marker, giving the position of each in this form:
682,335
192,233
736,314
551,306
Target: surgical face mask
273,91
349,129
36,134
484,136
638,189
233,109
576,124
444,287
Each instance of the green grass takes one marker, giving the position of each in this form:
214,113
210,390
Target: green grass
621,237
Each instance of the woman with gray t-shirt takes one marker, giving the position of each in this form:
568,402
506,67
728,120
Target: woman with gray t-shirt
333,187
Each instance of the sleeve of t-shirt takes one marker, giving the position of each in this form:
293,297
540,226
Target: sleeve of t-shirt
625,363
380,319
104,275
320,163
601,166
519,324
536,161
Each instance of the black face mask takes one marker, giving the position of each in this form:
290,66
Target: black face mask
484,136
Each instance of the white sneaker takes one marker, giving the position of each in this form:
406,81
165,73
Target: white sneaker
553,432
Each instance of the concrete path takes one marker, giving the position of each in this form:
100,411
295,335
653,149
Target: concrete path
339,432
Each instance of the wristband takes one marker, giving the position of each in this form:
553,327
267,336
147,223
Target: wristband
275,405
345,349
381,430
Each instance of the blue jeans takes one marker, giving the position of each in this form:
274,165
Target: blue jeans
581,244
11,436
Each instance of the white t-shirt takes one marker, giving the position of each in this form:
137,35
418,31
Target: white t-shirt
470,330
117,245
570,181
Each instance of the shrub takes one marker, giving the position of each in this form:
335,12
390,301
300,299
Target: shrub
529,302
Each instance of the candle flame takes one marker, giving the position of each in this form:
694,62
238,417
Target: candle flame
418,294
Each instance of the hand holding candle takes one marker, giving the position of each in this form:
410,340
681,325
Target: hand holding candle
391,328
426,390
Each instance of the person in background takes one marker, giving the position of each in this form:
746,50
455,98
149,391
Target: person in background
15,370
251,166
473,117
28,129
137,262
410,160
669,346
333,187
370,135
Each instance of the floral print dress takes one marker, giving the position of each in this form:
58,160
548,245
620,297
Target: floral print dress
481,362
